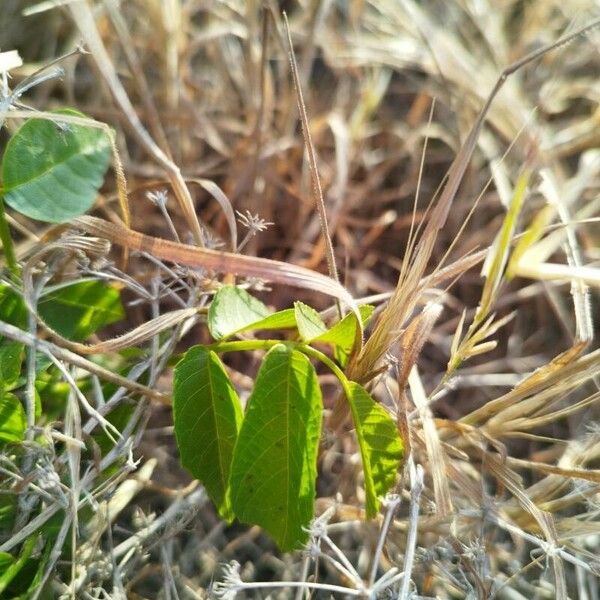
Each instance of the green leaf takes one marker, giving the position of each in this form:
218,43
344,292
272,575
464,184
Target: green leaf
12,418
343,334
380,444
6,559
232,310
11,356
14,569
12,307
77,310
283,319
310,324
207,415
275,459
52,172
31,576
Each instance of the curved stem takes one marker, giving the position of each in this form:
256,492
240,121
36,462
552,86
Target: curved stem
328,362
241,345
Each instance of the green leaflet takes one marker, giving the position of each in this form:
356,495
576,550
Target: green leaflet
283,319
75,310
310,324
79,309
53,172
5,560
12,571
12,308
11,356
232,310
380,444
207,415
12,418
275,459
343,334
272,470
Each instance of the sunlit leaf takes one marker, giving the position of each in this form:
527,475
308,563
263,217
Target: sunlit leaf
207,415
343,334
381,448
310,324
283,319
275,459
233,309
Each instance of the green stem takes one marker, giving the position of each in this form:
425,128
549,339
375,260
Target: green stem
241,345
328,362
7,243
13,569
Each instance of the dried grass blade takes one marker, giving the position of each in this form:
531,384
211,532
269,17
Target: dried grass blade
14,333
544,520
221,262
413,339
404,297
225,203
568,474
437,462
84,19
533,421
563,368
312,159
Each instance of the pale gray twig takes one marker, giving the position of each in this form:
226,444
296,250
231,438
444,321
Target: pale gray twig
391,503
416,487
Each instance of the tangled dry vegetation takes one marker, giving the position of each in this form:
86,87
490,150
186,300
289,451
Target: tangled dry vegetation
483,342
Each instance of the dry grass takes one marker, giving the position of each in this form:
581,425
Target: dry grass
484,343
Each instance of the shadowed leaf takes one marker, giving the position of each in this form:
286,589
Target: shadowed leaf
12,418
80,309
53,172
11,356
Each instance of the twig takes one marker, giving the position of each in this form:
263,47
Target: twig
312,159
392,502
84,19
416,482
50,349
